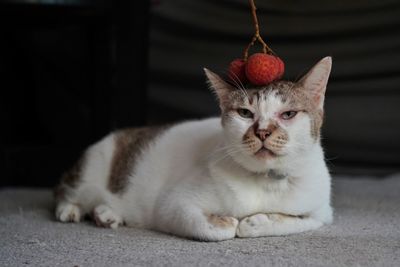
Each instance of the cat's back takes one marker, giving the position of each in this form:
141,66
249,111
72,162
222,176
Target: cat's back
184,138
110,162
157,150
182,145
189,136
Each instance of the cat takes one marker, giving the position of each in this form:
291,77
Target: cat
257,170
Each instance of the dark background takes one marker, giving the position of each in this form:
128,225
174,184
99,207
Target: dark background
71,71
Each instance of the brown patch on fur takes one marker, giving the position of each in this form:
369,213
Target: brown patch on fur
301,100
250,139
221,221
237,99
129,144
317,119
69,179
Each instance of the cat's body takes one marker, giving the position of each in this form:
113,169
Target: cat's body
206,179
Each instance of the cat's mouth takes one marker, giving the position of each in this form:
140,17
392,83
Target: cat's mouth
264,152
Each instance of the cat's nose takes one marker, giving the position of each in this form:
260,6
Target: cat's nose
263,133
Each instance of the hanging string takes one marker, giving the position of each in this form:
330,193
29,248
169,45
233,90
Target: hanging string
257,36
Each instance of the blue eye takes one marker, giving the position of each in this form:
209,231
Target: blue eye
245,113
288,114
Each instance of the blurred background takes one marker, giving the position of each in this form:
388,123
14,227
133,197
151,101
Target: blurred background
73,70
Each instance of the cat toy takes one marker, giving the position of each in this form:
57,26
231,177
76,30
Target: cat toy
259,68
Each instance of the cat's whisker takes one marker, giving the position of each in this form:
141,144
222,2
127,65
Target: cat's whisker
225,147
233,150
225,155
239,85
217,154
233,79
226,151
242,87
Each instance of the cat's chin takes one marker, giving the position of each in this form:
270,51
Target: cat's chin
264,154
256,163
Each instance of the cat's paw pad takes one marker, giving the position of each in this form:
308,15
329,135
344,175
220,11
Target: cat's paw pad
250,226
104,216
68,212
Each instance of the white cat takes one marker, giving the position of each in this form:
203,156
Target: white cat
258,170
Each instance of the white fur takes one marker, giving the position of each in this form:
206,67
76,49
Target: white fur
192,170
179,179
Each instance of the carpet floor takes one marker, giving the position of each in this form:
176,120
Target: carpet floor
365,232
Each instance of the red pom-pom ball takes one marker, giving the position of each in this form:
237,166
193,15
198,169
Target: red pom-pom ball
262,69
237,70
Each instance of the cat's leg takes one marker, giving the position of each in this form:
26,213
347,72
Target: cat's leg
80,188
192,222
67,207
275,224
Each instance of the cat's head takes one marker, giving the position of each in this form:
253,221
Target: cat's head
264,125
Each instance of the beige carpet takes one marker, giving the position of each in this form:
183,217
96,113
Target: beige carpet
366,232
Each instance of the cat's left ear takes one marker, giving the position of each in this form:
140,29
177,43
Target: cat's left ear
220,87
316,79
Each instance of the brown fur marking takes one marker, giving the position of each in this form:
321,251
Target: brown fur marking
129,144
250,139
302,100
277,140
220,221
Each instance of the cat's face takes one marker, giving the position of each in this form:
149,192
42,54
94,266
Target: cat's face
264,125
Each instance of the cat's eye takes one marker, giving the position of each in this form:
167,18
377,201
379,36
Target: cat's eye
288,114
245,113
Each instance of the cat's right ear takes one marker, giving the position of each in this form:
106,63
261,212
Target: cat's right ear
316,79
220,87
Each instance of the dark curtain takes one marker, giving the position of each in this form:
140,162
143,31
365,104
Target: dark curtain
71,71
362,128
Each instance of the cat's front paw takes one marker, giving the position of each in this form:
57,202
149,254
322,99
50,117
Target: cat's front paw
104,216
67,212
252,226
220,228
275,224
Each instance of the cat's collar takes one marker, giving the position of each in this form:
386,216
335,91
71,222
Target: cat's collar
276,174
272,174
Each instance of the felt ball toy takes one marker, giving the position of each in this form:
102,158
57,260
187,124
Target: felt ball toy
237,70
262,69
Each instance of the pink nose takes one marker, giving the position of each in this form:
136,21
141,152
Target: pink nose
263,133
